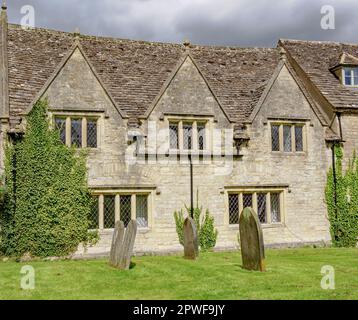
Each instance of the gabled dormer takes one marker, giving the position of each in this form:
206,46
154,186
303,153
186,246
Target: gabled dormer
347,70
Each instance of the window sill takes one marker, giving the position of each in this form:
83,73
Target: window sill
109,231
263,226
289,154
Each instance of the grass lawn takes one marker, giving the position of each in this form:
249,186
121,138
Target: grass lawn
292,274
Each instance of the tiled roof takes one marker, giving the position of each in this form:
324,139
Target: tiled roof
316,59
134,72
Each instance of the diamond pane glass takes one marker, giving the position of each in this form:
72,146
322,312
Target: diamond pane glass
275,136
188,136
261,207
201,136
275,208
142,211
109,212
94,214
126,209
173,136
76,132
287,139
234,209
91,133
60,125
299,138
247,199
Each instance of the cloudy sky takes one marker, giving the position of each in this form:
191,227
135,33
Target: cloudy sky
213,22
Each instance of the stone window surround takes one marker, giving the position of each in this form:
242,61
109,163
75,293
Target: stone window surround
124,192
99,116
352,69
208,121
292,123
254,191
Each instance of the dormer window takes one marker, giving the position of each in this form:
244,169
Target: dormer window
350,77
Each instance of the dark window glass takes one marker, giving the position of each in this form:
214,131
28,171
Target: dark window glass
261,207
76,133
188,136
247,199
287,139
355,73
173,136
91,133
234,209
275,136
109,212
299,138
201,136
60,125
126,209
348,77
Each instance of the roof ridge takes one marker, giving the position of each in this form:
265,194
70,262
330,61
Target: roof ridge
94,37
317,42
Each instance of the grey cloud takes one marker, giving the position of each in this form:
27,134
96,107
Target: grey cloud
213,22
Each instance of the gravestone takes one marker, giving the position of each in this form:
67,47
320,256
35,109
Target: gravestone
252,242
123,244
117,241
191,243
126,250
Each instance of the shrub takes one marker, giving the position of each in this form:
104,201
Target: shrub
343,212
207,234
47,201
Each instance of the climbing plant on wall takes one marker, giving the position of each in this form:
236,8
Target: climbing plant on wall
342,201
47,202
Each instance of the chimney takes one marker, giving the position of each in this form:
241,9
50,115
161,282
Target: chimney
4,87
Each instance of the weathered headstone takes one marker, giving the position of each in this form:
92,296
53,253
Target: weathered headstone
117,241
123,244
126,250
252,242
191,243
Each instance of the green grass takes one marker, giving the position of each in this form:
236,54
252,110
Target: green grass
292,274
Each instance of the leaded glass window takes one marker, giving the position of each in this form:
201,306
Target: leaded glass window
142,211
201,136
109,211
91,133
287,138
261,207
247,199
299,138
188,136
174,136
76,132
126,209
275,208
234,209
275,134
60,124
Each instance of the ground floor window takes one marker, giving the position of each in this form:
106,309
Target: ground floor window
268,204
109,208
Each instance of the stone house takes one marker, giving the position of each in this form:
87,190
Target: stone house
259,122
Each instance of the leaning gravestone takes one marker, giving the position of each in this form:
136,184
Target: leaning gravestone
123,244
117,242
191,243
252,242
